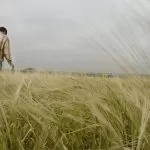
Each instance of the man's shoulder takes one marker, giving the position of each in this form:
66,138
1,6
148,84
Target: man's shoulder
2,36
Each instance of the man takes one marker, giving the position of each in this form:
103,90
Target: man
5,48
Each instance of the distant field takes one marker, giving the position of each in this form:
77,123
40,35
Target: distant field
62,112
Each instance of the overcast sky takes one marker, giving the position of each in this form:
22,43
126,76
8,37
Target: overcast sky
77,35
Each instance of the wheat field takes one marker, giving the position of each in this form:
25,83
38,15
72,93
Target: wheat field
64,112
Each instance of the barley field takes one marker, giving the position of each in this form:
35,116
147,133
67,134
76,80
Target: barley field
64,112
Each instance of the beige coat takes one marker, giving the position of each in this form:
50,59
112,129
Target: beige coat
5,48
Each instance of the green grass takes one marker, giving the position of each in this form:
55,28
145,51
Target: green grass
54,112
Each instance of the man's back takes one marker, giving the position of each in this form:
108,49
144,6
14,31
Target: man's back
3,39
4,47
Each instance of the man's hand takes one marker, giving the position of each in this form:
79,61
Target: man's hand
12,66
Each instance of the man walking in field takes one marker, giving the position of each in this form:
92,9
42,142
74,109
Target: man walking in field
5,48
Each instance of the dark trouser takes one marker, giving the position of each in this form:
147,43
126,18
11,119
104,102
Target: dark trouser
1,65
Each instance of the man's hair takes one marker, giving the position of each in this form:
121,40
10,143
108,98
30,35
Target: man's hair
3,30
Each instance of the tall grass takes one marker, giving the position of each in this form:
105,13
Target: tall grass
55,112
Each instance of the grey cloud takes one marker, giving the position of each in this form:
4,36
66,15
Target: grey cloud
70,33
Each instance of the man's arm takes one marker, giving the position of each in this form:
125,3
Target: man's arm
7,53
